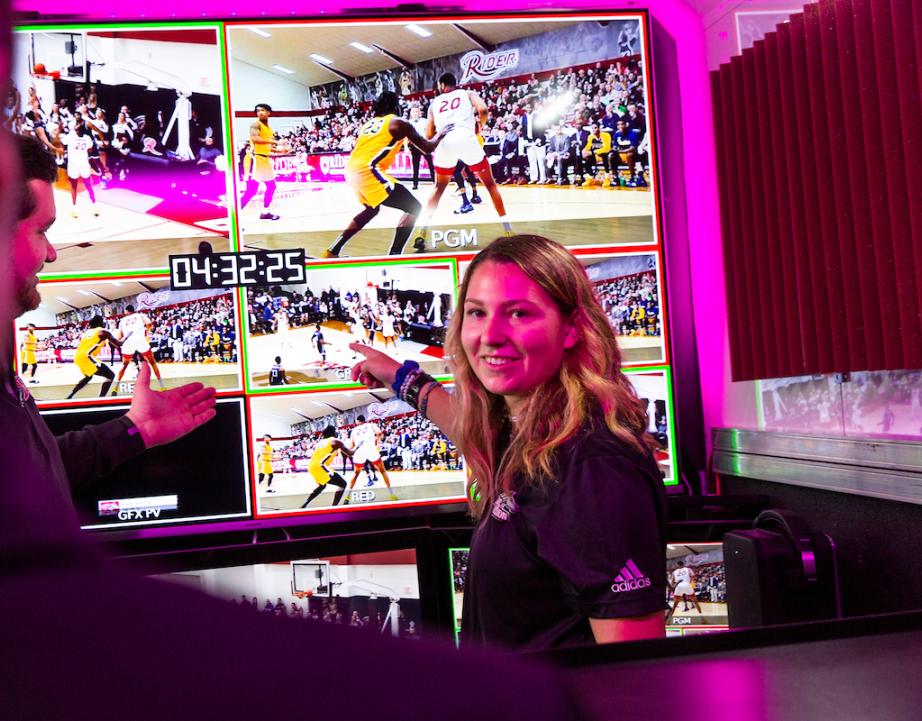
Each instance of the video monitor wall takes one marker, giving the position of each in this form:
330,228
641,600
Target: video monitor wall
254,151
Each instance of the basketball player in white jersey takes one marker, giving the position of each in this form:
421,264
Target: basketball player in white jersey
364,440
79,142
281,329
682,579
133,328
461,109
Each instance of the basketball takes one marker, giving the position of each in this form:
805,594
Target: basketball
39,69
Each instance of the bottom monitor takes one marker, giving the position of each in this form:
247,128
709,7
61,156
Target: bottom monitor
377,592
696,588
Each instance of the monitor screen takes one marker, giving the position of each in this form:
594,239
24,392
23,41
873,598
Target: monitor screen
696,591
395,458
139,138
377,592
201,477
192,335
304,331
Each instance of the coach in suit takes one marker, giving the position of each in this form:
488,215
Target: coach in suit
558,154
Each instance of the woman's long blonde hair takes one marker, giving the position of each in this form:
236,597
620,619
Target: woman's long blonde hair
590,378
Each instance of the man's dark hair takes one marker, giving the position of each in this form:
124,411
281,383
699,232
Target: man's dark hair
262,105
129,308
37,164
448,79
96,321
360,418
278,359
329,432
386,104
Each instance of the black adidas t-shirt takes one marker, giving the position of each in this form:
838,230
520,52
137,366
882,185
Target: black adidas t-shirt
591,545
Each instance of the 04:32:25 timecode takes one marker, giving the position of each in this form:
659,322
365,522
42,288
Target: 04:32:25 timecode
230,270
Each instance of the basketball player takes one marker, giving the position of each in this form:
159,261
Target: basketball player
262,139
282,327
89,347
277,375
79,144
364,439
683,580
453,113
132,329
379,141
317,466
320,344
388,331
28,352
265,463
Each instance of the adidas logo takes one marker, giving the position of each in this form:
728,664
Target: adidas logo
630,579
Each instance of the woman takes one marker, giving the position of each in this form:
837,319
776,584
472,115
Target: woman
569,546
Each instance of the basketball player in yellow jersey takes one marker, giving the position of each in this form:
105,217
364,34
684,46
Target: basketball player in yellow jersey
29,344
379,141
91,343
320,472
265,463
263,142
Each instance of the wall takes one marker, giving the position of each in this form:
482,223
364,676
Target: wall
250,85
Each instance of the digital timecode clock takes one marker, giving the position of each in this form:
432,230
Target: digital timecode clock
230,270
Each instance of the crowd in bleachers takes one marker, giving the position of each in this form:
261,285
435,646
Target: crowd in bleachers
373,310
530,111
356,612
409,443
198,331
631,304
117,132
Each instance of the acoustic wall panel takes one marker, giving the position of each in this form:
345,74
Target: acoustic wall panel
820,165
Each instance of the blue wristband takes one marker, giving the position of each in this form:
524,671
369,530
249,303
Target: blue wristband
401,375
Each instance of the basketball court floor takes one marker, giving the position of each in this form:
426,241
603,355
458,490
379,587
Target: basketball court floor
303,363
311,215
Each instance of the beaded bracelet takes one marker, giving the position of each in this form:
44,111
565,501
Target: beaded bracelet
415,389
401,375
424,397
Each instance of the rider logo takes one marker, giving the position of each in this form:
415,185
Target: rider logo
332,162
478,66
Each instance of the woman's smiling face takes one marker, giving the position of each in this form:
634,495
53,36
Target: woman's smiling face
513,333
